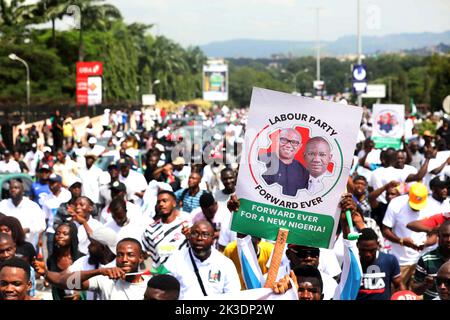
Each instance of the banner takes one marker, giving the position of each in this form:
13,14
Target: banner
294,167
89,83
388,121
215,82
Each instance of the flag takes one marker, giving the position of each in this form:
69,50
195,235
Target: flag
351,273
250,269
413,107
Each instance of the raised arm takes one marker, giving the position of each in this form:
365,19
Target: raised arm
377,192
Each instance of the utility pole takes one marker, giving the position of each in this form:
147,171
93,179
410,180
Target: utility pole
359,44
317,9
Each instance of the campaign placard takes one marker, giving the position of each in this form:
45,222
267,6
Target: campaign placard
388,121
294,167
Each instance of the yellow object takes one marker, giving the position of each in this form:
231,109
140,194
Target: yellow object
265,250
418,194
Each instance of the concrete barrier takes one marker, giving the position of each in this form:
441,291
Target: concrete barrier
79,124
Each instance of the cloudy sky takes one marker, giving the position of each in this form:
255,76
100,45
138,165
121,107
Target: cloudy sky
196,22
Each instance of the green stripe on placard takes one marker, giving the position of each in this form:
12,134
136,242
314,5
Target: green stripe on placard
263,220
384,142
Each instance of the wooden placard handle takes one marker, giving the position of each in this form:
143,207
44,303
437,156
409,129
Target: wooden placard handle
278,252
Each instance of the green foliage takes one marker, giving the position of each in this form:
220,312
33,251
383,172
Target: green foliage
134,59
426,125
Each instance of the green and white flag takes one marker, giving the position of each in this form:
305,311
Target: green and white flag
413,107
388,122
294,167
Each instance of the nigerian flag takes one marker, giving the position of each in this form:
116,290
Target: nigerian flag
413,107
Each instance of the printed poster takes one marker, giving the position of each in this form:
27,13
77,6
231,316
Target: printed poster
294,167
388,122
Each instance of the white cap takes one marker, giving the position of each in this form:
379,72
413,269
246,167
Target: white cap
106,236
92,140
119,134
47,149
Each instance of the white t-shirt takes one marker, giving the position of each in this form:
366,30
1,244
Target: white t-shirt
82,264
211,176
433,206
135,182
372,158
328,263
133,212
226,235
218,274
161,240
51,203
382,176
130,230
83,240
222,216
30,216
90,179
11,167
398,215
183,175
32,159
118,289
222,197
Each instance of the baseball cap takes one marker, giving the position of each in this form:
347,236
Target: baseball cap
123,162
439,182
118,186
34,145
47,149
418,194
44,167
119,134
178,161
7,152
105,236
55,178
404,295
112,165
74,181
92,140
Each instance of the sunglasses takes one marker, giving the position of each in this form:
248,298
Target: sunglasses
204,235
440,281
305,253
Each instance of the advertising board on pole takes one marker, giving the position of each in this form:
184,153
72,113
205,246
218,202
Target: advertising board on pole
215,81
89,83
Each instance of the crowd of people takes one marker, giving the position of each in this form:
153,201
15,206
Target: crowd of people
145,213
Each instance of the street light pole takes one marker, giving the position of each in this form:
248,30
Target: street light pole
13,56
359,45
157,81
318,45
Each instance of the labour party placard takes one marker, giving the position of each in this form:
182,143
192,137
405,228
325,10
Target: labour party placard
388,125
294,167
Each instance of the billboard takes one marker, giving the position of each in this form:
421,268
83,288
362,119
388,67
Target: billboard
215,81
89,83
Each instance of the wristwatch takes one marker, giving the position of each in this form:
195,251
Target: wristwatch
401,241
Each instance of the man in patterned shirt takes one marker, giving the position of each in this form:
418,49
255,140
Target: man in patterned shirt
429,264
164,237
